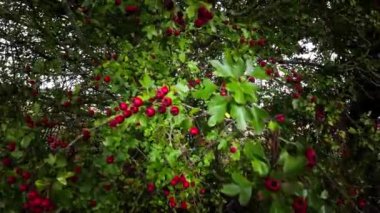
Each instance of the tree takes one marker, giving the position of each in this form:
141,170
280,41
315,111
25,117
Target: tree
189,106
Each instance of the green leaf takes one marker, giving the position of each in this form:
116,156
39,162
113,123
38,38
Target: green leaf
41,184
273,126
241,116
260,167
254,150
51,159
294,164
217,107
63,176
259,73
240,179
146,81
26,140
250,91
230,189
208,89
222,144
17,154
237,92
258,118
245,195
222,70
277,207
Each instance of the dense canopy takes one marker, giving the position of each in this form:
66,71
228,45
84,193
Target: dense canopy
189,106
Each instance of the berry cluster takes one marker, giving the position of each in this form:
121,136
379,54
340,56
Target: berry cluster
37,203
253,43
55,143
295,79
150,111
204,16
311,157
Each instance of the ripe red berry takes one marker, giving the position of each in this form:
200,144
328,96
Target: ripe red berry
169,31
184,205
23,188
127,113
131,9
91,112
186,184
262,63
299,205
162,109
137,102
272,184
202,191
117,2
26,175
166,101
261,42
123,106
252,43
107,79
110,159
311,157
280,118
116,109
194,131
251,79
6,161
362,203
159,94
150,112
166,192
177,32
174,110
296,95
199,22
32,195
150,187
86,134
172,202
92,203
165,89
11,146
233,149
119,119
11,180
108,112
66,104
269,71
175,180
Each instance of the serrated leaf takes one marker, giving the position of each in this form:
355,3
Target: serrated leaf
239,113
41,184
237,92
146,81
222,144
230,189
217,108
208,89
222,70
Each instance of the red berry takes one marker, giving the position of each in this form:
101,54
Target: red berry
23,188
110,159
251,79
174,110
11,146
134,109
86,134
137,102
175,180
311,157
362,203
66,104
269,71
108,112
186,184
150,187
296,95
280,118
7,161
92,203
159,94
233,149
32,195
117,2
119,119
252,43
183,205
112,123
165,89
199,23
166,192
202,191
169,31
123,106
194,131
131,9
78,169
162,109
26,175
98,77
272,184
177,32
168,4
11,180
116,109
262,63
107,79
91,112
261,42
127,113
299,205
150,112
166,101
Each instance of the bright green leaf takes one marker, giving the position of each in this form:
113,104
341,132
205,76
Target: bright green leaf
230,189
